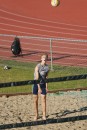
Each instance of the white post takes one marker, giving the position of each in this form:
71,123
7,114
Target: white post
51,55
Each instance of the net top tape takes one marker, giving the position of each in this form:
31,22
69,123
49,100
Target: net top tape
57,79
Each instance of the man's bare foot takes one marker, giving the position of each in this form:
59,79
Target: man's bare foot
44,117
35,118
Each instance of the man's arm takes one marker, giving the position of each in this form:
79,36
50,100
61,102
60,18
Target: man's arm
36,73
47,83
37,77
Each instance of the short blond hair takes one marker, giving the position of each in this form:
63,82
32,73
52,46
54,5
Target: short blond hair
44,56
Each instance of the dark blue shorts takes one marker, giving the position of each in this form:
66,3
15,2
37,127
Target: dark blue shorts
43,88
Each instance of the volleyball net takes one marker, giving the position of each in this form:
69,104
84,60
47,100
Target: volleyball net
63,107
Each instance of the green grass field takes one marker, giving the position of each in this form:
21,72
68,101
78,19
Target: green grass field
21,71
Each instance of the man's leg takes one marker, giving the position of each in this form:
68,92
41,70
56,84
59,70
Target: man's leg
43,98
35,106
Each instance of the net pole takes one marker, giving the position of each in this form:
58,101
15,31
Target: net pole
51,54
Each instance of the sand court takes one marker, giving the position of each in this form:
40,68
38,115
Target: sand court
71,106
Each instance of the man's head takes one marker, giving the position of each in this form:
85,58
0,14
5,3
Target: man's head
44,57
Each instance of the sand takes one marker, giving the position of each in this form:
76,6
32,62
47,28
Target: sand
19,109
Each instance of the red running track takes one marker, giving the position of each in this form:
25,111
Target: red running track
39,18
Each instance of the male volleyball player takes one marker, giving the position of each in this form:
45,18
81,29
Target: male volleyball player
41,73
